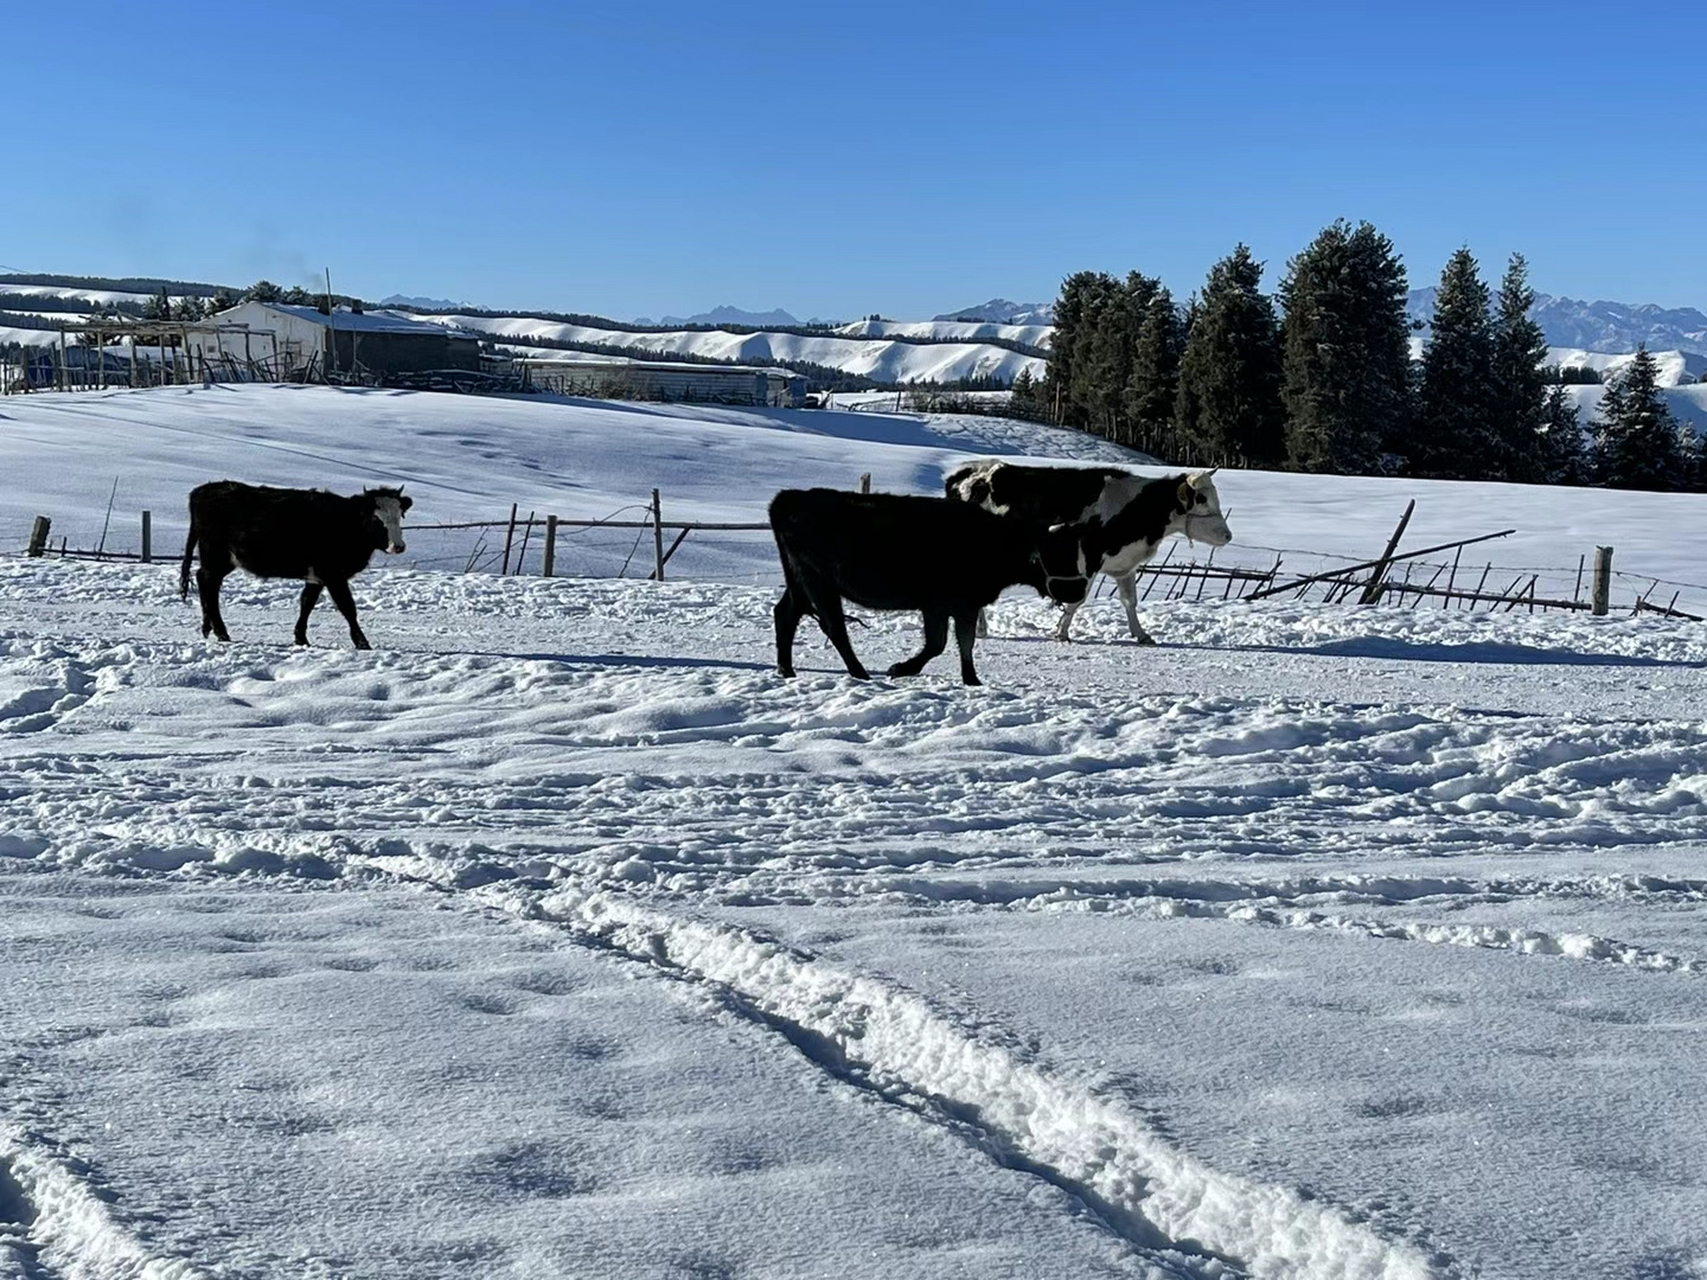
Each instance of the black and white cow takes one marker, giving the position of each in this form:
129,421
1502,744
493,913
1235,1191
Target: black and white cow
889,551
1126,515
323,538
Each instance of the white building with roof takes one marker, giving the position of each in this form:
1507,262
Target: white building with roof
290,341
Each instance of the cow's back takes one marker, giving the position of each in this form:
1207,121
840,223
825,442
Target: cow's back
890,551
1041,496
280,533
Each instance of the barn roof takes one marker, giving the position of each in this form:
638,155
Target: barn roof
360,321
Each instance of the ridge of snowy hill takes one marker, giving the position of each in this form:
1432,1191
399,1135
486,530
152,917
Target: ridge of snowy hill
891,361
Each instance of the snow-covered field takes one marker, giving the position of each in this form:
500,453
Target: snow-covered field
558,936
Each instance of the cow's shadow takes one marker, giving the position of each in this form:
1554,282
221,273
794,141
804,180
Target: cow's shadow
629,660
1485,653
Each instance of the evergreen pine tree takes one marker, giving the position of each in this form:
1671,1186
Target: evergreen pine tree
1153,382
1069,323
1229,410
1102,358
263,291
1345,351
1454,437
1637,438
1520,380
1560,456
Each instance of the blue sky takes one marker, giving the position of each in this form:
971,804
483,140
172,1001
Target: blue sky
836,160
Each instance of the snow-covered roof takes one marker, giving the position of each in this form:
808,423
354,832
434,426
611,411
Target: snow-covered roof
344,320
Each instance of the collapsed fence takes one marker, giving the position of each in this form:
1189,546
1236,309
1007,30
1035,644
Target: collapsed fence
638,540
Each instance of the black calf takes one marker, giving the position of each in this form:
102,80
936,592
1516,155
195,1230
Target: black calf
323,538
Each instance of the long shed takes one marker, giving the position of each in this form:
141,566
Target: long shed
307,339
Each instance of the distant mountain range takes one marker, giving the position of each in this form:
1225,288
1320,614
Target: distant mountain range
422,304
1001,311
1600,326
728,315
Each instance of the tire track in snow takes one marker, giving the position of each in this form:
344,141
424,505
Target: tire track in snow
59,1216
1278,906
1173,1209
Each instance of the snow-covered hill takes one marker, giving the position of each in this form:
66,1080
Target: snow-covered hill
559,935
884,359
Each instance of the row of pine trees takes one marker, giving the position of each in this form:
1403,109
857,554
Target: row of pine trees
1319,377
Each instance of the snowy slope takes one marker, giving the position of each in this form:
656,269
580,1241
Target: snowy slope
1035,335
558,936
882,360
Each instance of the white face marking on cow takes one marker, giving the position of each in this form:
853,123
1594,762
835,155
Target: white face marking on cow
390,513
1202,520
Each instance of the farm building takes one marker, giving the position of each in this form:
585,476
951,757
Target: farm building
305,340
619,378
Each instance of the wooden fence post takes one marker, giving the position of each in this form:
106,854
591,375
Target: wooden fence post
147,537
38,535
865,482
508,535
657,538
550,547
1372,591
1602,589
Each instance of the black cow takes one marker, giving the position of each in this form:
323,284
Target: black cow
1126,515
323,538
889,551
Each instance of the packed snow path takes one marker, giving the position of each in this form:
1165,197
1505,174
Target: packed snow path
1309,943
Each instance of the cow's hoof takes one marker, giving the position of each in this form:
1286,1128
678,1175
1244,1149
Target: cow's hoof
787,673
859,673
1144,639
363,644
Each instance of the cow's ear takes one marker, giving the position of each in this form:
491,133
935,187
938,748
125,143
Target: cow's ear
404,503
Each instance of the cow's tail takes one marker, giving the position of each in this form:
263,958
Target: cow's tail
189,552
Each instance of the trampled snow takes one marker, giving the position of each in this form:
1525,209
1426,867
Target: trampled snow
558,936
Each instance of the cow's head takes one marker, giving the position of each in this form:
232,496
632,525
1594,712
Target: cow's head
1197,511
1064,564
388,508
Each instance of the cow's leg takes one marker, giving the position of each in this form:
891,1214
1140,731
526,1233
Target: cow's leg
339,590
1066,623
787,614
936,640
1128,584
208,578
310,594
830,617
965,632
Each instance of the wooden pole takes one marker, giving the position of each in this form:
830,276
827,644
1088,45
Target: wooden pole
1372,591
1601,591
38,535
865,482
509,533
522,555
550,563
147,537
657,538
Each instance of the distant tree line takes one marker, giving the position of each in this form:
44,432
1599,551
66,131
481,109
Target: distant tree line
1320,377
